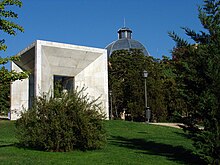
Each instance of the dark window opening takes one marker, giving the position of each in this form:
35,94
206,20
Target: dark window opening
62,84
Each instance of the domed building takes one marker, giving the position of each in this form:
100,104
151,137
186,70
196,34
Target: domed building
126,42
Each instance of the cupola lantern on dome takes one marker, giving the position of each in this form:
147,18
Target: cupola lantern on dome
126,42
124,33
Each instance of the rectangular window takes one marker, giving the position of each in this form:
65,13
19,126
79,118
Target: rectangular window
62,84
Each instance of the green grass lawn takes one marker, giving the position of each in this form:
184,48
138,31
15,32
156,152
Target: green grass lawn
128,143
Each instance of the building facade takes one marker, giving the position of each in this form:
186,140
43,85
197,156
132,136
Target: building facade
75,66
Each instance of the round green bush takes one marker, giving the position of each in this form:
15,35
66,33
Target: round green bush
62,124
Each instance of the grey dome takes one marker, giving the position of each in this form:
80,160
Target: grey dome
125,42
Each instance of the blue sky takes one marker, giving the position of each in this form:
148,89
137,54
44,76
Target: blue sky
95,22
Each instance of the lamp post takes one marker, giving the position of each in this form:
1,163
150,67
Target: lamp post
110,94
147,109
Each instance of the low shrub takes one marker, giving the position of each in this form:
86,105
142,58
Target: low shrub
62,124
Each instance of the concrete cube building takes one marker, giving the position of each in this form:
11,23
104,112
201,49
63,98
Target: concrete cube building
75,66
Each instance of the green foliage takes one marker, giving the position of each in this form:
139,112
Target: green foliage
175,105
179,41
127,84
155,91
11,28
62,124
198,76
4,99
6,25
58,88
9,76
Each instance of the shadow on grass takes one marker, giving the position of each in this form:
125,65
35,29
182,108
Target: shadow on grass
3,119
6,144
185,135
175,153
17,145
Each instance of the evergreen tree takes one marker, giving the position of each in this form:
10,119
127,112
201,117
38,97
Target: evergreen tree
198,75
175,105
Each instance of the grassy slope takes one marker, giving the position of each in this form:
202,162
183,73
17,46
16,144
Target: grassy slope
128,143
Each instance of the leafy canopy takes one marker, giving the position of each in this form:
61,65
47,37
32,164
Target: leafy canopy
126,82
9,27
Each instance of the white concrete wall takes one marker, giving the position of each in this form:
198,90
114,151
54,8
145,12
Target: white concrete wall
47,76
19,95
94,78
38,69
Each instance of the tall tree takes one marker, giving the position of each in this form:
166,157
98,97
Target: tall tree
11,28
175,105
127,84
198,75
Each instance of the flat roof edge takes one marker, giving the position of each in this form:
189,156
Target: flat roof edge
70,46
26,49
